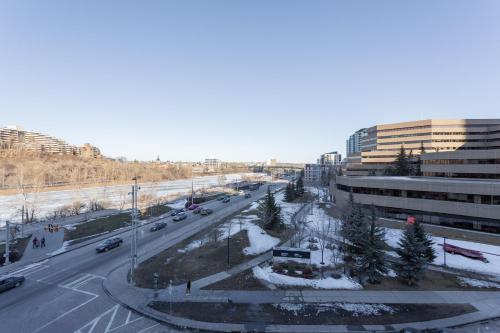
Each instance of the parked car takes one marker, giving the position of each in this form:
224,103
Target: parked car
11,282
157,226
193,206
226,199
248,195
220,198
206,211
197,210
109,244
179,217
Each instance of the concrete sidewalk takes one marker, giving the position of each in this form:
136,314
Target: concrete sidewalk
487,304
53,242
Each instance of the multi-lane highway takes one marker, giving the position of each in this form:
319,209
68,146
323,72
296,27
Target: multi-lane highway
65,294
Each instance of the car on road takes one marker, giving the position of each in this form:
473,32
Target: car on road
206,211
226,199
247,195
157,226
179,217
220,198
10,282
197,210
176,211
193,206
109,244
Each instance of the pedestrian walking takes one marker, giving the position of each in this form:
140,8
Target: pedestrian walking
35,242
188,287
43,242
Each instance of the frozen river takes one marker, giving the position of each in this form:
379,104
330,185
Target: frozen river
47,202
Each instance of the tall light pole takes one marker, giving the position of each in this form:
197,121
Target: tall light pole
7,245
133,247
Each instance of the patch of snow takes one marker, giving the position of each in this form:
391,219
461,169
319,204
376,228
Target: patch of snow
63,249
357,309
268,275
177,204
468,282
490,252
260,241
391,273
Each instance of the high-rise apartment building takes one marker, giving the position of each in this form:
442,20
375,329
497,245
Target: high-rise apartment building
332,158
353,144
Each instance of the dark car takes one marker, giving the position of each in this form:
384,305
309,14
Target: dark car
206,211
220,198
11,282
179,217
248,195
197,210
109,244
176,211
157,226
226,199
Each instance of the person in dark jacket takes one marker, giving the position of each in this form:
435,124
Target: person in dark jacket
35,242
42,243
188,287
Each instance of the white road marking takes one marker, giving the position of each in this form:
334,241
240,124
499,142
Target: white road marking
147,328
112,318
74,282
128,317
65,314
127,323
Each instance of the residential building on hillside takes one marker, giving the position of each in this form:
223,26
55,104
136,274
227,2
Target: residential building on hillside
15,139
212,163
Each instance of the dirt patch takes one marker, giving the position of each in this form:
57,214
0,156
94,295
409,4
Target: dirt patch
98,226
312,314
242,281
200,262
434,280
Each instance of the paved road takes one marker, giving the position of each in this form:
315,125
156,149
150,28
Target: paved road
65,294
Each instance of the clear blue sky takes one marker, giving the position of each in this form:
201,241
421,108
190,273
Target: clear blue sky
242,80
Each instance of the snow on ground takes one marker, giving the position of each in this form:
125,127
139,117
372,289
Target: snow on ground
467,282
178,204
268,275
259,240
456,260
357,309
63,249
253,206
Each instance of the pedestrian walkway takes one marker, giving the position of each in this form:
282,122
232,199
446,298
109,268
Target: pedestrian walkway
53,242
487,303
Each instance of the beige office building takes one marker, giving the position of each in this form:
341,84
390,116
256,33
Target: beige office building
382,143
460,185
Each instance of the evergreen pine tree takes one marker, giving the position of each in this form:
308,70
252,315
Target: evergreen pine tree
411,264
299,187
371,261
353,230
290,192
429,253
401,164
270,212
418,164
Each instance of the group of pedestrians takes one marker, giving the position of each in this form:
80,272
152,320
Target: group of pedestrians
38,243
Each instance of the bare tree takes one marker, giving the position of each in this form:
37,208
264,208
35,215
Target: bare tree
323,231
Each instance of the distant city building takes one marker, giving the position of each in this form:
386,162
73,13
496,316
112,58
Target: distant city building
212,163
272,162
15,139
353,144
332,158
314,172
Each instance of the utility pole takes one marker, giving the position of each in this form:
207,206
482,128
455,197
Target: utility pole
192,192
7,245
444,250
133,247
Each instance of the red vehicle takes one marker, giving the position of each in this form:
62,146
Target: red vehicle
473,254
193,206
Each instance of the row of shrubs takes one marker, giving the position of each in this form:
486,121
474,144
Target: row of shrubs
292,267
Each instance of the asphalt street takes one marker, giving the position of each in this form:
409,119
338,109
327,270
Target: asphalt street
65,294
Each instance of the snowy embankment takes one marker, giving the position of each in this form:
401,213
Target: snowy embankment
62,249
268,275
179,204
259,240
467,282
456,260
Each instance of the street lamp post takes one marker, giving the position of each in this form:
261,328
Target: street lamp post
444,250
228,238
7,245
133,247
